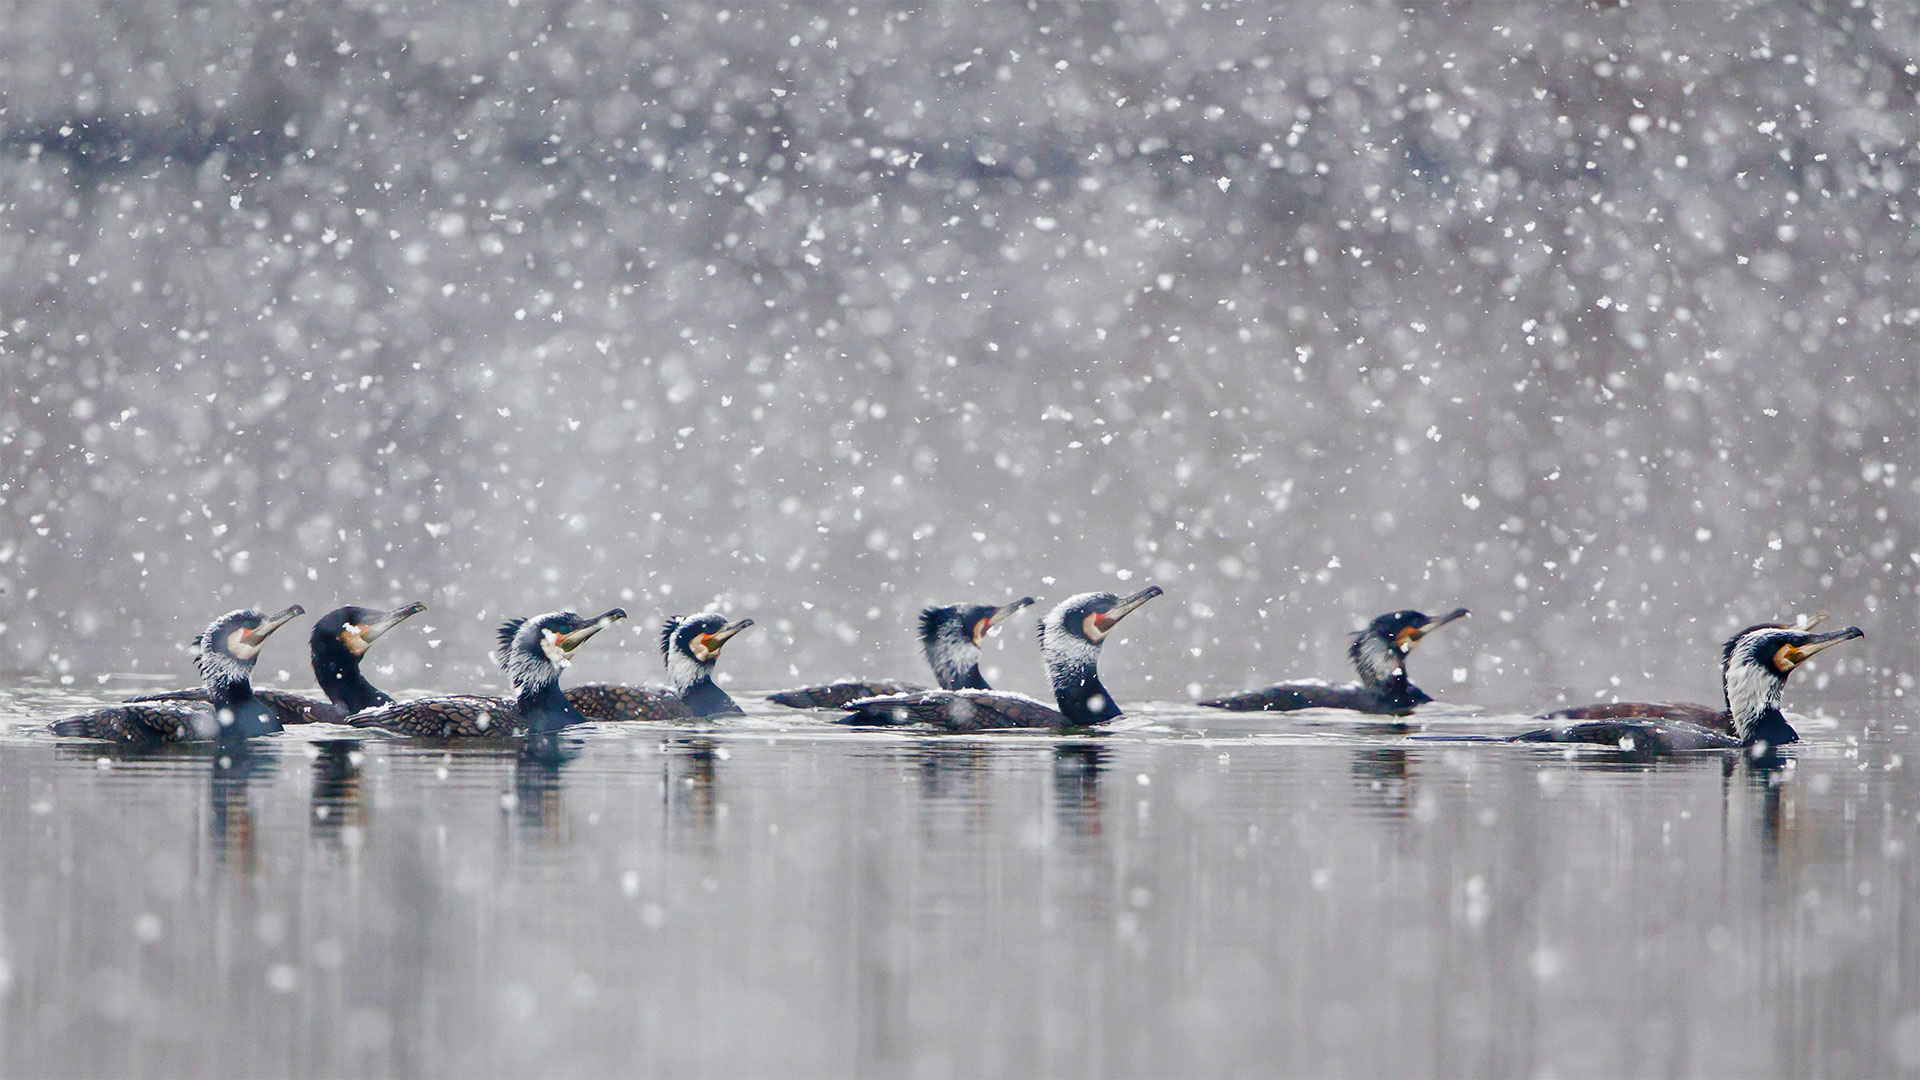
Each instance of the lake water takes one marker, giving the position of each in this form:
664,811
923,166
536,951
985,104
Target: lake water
1209,894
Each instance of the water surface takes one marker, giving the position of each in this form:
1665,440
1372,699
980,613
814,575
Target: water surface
1208,894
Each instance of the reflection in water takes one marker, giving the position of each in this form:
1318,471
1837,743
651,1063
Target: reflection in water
1385,783
1122,904
1076,788
235,767
1764,779
338,809
953,771
537,789
689,767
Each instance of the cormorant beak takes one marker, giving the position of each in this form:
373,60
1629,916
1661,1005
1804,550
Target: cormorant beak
1000,615
371,631
258,636
1418,632
576,638
1792,656
1808,622
1106,620
708,645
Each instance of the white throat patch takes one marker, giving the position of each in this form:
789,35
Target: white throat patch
683,670
550,645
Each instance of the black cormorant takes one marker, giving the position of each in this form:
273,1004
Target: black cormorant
532,651
224,653
1070,639
1379,654
691,647
340,638
950,636
1754,665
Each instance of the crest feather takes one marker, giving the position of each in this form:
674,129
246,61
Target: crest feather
507,632
667,628
930,621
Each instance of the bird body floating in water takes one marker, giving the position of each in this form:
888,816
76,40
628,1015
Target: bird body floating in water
1754,665
532,652
950,636
225,654
339,639
1070,639
691,647
1379,654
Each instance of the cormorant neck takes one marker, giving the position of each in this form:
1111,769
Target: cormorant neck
1769,727
545,707
703,698
1378,662
954,658
241,714
1076,686
1753,703
1400,692
339,676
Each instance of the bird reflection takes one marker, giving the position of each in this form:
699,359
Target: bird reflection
689,768
339,805
1385,779
537,788
235,767
1766,776
950,771
1076,788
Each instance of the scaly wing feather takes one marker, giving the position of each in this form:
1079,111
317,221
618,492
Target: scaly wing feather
840,694
288,708
462,716
1286,697
608,701
955,710
143,722
1705,716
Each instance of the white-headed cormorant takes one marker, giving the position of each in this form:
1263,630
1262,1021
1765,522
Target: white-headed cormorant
224,653
691,647
1754,665
532,652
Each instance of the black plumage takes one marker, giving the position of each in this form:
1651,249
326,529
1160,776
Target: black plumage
1070,639
1754,666
1379,653
225,654
950,638
339,639
532,651
690,647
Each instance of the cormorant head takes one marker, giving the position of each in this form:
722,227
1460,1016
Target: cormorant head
226,649
951,636
1079,624
355,628
691,645
532,651
1757,661
1380,651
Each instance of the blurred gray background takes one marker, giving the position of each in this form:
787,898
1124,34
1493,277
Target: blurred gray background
1597,320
